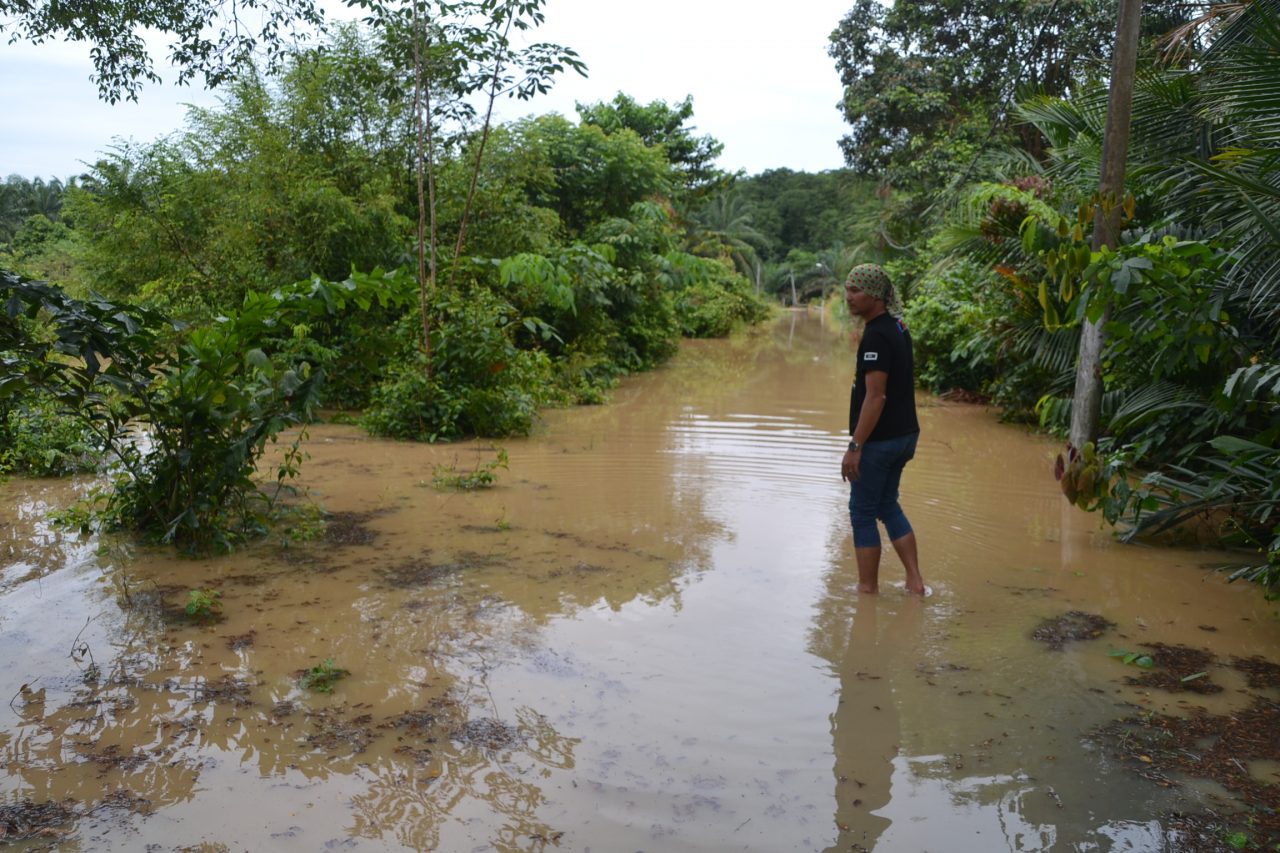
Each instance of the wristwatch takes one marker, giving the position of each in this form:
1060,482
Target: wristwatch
854,446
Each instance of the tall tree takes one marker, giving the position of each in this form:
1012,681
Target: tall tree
1087,403
724,227
924,79
659,123
459,52
206,40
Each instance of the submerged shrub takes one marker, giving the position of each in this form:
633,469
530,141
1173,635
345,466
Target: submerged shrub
323,676
944,318
648,328
185,413
714,308
38,439
476,382
482,476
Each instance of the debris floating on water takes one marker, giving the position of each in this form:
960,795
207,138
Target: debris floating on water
1071,626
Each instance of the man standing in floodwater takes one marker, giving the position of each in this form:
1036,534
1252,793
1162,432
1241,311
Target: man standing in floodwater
883,428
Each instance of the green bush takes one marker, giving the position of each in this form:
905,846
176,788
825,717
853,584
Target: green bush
203,605
944,319
209,399
323,676
352,348
585,374
477,381
648,329
715,305
38,439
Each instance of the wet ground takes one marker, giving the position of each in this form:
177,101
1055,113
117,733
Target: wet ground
646,636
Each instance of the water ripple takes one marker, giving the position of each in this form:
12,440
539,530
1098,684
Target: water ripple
790,456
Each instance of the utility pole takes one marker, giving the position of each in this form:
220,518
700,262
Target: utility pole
1086,404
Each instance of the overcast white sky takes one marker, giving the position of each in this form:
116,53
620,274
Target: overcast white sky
760,77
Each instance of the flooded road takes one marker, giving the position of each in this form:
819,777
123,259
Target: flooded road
646,636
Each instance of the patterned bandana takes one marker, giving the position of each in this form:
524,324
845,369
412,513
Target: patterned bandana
873,280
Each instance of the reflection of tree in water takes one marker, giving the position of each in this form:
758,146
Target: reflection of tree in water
666,530
115,730
144,723
415,803
712,371
31,546
616,511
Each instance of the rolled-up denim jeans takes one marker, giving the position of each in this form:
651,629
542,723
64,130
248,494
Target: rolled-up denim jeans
874,495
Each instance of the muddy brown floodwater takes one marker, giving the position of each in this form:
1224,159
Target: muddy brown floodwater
646,636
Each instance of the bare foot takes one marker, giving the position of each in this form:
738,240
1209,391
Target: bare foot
919,588
868,589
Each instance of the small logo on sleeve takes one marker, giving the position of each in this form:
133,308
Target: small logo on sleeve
871,356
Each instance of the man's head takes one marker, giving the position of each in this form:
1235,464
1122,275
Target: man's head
869,293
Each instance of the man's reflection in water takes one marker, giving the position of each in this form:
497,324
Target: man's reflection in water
865,726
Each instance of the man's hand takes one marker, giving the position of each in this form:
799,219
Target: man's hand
849,466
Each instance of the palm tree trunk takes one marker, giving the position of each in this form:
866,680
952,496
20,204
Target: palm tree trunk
1086,406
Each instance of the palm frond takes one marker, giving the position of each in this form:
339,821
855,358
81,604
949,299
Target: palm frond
1007,163
1244,26
1177,44
1254,382
1165,118
1137,406
1056,351
1058,119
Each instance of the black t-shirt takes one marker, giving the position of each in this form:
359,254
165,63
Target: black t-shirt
886,346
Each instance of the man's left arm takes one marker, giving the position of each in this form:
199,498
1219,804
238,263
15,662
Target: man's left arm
872,407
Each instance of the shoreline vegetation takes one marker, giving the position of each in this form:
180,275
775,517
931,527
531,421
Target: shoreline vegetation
348,230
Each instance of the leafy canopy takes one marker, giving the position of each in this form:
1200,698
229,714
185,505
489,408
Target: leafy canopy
692,157
206,41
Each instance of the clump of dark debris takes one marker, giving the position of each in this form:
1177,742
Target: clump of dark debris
487,733
283,708
350,528
485,528
1071,626
1208,746
26,819
420,571
1205,832
1178,669
112,758
417,729
415,722
228,689
303,557
126,801
421,755
582,567
1260,673
255,579
236,642
334,732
